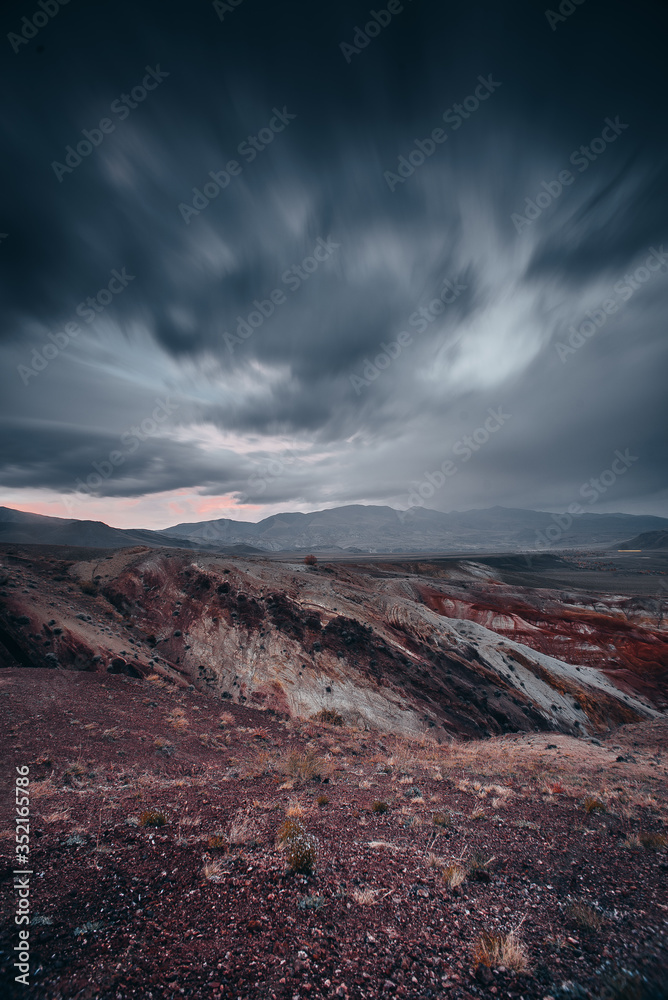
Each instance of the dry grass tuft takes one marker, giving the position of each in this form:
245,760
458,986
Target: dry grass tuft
585,916
454,875
43,789
364,897
151,817
329,716
242,829
442,819
177,719
213,870
157,681
306,767
380,807
653,841
494,950
592,804
217,842
59,816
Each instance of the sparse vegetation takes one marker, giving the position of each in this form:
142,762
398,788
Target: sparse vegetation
89,587
322,800
151,817
310,560
379,806
592,804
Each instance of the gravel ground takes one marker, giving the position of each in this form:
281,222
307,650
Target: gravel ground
553,901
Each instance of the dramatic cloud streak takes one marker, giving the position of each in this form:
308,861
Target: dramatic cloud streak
303,325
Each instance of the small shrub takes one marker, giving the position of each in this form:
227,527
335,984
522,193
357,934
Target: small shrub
322,800
291,827
88,587
591,804
494,950
301,853
330,716
301,848
586,918
379,807
310,561
151,817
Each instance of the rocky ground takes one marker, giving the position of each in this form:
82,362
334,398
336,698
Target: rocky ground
470,757
526,865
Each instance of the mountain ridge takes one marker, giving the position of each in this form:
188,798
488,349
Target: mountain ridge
354,528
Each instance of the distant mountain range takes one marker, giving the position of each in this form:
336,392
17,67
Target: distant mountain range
354,529
19,527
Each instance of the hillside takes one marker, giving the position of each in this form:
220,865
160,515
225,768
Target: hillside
651,540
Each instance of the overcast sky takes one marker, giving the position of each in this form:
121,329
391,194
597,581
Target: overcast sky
363,176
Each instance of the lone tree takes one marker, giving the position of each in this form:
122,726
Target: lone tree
310,561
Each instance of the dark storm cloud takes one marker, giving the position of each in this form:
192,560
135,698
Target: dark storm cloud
322,178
